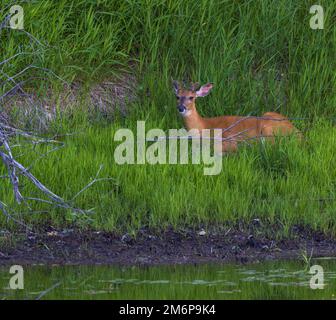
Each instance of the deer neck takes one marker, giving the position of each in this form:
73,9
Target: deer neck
193,120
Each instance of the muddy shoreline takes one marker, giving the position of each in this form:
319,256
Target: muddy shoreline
230,244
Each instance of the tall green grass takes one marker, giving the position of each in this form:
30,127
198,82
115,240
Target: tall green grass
261,56
288,183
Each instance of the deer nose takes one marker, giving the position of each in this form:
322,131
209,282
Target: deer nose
181,108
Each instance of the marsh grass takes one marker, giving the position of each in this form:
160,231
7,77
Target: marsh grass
261,56
290,182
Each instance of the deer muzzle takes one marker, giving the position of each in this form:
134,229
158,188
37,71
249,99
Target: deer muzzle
181,108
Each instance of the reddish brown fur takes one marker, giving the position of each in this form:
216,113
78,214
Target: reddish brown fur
239,128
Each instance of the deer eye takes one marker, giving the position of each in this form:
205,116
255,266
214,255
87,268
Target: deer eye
177,97
190,98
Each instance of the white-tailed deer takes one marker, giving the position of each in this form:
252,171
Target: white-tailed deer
234,128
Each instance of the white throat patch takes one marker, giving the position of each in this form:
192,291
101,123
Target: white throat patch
185,113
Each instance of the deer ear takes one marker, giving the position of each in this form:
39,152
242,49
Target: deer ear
175,86
204,90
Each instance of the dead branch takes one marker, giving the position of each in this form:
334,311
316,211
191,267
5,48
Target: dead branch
10,134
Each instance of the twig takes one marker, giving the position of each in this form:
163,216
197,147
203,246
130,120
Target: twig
43,293
95,180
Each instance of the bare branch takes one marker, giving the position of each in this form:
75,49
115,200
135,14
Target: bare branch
9,134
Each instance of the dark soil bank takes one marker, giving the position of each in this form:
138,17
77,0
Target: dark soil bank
235,244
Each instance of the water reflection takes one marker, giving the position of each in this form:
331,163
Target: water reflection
271,280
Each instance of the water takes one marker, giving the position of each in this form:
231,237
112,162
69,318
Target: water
271,280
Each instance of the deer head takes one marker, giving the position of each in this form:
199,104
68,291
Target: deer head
186,97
